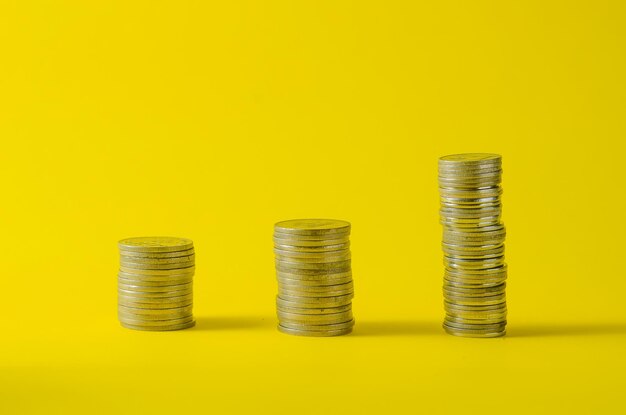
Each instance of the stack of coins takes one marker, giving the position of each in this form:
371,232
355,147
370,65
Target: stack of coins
473,245
313,268
155,283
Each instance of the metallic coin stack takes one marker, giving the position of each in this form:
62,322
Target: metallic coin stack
313,268
473,245
155,283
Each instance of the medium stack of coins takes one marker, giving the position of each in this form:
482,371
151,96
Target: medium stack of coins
313,268
473,245
155,283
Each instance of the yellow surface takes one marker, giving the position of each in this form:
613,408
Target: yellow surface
213,120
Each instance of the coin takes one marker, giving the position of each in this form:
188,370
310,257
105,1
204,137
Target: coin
312,227
162,284
154,323
313,275
157,272
326,301
314,333
284,292
156,255
312,255
159,328
348,285
154,312
158,261
312,243
152,294
312,249
284,265
157,289
152,299
315,318
153,306
318,327
155,244
157,267
280,306
312,260
153,317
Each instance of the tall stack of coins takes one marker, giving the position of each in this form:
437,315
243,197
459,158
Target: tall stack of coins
155,283
313,268
473,245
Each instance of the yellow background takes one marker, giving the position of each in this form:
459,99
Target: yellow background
213,120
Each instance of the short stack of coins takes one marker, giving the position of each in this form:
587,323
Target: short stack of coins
473,245
313,268
155,283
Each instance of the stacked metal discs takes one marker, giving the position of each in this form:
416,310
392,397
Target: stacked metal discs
313,268
155,283
473,245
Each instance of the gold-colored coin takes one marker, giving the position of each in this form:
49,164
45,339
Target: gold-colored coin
280,306
137,261
307,227
155,244
158,289
315,333
159,328
157,272
156,255
124,309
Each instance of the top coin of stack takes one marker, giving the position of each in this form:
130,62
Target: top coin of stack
155,283
473,245
313,268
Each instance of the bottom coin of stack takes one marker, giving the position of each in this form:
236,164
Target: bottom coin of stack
155,283
313,268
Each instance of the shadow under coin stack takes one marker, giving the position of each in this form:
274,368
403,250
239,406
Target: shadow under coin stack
313,268
473,245
155,283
